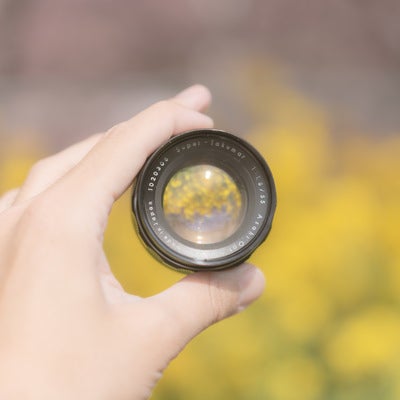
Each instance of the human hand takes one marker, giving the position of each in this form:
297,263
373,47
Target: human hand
67,328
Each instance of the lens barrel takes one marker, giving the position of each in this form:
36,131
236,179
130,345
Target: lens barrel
204,200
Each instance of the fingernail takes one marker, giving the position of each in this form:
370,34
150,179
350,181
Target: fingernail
251,283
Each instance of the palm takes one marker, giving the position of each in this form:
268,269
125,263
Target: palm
68,329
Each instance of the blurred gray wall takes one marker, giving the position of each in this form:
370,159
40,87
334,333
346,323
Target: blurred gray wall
71,67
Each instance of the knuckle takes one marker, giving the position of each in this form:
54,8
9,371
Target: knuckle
223,300
8,199
166,111
219,310
48,218
9,195
39,168
163,105
96,136
217,305
165,108
115,129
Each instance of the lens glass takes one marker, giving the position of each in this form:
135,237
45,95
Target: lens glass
203,204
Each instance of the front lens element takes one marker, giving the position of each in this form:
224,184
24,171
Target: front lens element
203,204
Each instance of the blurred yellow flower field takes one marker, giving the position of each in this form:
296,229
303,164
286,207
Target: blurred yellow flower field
328,325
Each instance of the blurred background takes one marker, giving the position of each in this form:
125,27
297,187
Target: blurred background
316,87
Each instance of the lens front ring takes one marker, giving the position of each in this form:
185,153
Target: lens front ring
212,150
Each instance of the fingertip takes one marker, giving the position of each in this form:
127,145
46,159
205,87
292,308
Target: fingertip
251,285
197,97
234,289
240,286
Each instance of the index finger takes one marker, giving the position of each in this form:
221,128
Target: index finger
109,168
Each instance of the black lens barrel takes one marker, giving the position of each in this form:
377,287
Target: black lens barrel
224,151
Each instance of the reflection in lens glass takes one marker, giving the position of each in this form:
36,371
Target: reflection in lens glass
203,204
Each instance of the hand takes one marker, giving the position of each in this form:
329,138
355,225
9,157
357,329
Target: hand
67,328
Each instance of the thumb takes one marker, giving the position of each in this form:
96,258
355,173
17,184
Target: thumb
201,299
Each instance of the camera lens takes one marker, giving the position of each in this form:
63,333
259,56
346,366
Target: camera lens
203,204
204,201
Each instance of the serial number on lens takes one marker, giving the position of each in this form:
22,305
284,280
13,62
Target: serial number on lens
155,174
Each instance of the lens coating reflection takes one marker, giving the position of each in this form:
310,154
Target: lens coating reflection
203,204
